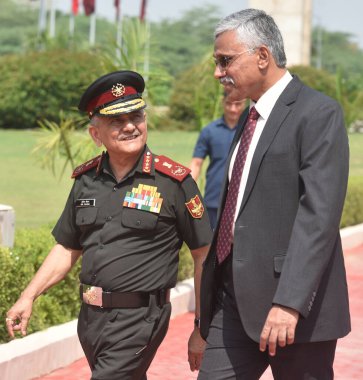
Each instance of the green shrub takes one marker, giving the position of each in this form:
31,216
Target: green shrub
38,85
14,277
186,265
353,207
60,304
196,97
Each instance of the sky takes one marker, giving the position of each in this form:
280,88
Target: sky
341,16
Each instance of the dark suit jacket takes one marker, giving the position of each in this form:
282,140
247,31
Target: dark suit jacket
287,248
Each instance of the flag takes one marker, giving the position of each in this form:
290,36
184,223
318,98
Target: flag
117,6
143,10
89,7
75,7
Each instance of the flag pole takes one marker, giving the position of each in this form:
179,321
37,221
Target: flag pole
118,31
92,28
52,20
147,52
42,17
73,11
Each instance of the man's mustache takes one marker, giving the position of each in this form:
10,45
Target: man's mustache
226,80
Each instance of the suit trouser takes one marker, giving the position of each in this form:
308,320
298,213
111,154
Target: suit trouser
120,343
232,354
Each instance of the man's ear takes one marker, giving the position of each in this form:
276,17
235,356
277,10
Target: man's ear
264,56
94,132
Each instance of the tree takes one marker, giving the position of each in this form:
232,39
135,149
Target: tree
196,96
336,52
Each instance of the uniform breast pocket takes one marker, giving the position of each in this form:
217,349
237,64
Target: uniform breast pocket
138,219
86,216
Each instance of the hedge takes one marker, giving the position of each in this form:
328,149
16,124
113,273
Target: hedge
39,85
60,304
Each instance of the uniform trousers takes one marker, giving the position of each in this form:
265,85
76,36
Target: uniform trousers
231,354
120,343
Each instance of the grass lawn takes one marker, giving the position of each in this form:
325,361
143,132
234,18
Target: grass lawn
38,197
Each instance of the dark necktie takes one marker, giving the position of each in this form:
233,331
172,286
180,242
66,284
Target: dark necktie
225,232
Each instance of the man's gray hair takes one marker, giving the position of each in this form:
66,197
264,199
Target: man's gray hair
255,28
94,121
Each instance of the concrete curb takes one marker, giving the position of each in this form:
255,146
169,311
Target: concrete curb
58,346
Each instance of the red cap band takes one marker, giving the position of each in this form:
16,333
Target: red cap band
108,97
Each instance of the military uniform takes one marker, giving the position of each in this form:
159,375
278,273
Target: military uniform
130,233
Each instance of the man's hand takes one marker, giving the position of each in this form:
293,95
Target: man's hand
196,346
279,328
18,316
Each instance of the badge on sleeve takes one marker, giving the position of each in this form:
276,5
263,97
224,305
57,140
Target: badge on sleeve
195,207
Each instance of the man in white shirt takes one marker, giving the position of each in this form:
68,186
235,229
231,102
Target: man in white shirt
274,289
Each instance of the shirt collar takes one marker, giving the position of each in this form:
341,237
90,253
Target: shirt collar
221,122
267,101
146,159
139,166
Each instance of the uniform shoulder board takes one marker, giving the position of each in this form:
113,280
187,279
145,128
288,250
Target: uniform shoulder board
83,168
171,168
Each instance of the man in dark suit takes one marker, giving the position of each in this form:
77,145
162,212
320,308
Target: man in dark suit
274,288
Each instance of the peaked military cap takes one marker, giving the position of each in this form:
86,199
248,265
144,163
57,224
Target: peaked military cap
114,94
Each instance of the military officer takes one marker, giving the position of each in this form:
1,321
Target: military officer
127,215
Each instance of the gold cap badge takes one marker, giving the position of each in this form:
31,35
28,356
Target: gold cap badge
118,90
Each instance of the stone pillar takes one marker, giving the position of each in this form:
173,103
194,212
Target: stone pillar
293,17
7,226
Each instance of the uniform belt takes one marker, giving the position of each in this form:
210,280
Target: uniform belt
94,295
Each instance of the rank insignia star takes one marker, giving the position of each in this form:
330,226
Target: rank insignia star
146,165
195,207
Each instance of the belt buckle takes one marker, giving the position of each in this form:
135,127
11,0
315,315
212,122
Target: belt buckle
92,295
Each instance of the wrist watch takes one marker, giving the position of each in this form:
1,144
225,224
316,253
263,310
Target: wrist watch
197,322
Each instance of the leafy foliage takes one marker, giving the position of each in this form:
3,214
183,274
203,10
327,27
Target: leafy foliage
67,140
38,85
196,97
182,43
18,266
17,25
335,86
334,51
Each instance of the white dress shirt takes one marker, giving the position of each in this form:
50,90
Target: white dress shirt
264,107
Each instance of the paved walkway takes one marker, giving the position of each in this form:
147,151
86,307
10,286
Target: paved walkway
171,363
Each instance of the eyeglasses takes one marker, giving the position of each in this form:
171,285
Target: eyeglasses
224,61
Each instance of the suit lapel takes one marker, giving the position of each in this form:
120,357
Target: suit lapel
278,115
